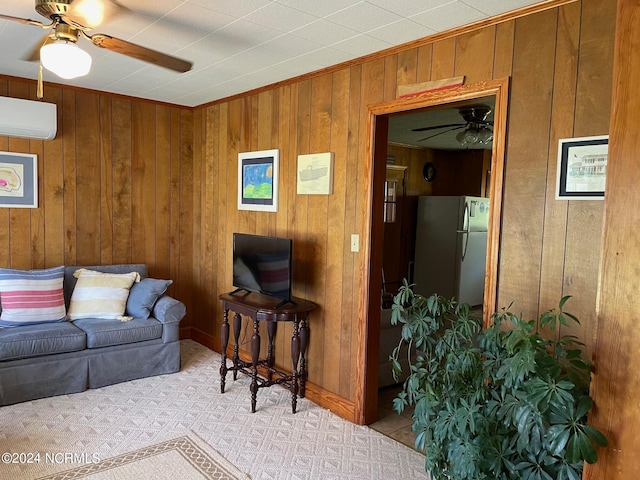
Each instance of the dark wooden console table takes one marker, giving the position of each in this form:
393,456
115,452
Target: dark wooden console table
265,308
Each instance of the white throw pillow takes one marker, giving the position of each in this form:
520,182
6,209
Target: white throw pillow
100,295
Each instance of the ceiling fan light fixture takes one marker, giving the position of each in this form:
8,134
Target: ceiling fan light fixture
471,135
485,135
461,138
65,59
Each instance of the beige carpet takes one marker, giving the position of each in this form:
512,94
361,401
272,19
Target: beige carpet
271,444
184,458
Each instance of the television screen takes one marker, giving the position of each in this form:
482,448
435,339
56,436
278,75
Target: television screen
262,264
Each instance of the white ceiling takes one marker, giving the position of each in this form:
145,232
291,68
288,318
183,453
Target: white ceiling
239,45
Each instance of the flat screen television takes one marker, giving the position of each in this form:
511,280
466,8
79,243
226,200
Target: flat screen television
262,264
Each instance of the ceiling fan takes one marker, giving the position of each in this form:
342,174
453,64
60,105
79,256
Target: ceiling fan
477,129
72,19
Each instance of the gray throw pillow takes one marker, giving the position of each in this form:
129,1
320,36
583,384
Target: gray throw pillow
144,295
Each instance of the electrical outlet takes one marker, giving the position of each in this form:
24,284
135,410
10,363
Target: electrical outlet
355,242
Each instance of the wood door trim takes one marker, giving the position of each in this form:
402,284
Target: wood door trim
499,88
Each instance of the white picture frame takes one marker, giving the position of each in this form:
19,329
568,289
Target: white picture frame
258,174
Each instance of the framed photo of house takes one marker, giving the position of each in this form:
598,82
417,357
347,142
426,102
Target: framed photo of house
258,180
582,168
18,180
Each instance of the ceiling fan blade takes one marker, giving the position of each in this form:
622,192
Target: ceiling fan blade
424,129
141,53
26,21
34,56
455,127
87,14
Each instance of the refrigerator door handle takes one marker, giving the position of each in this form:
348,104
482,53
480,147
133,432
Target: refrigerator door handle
465,220
466,229
466,244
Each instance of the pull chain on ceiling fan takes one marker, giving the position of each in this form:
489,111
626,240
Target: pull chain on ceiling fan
58,51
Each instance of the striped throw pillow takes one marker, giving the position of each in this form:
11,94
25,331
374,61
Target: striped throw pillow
29,297
100,295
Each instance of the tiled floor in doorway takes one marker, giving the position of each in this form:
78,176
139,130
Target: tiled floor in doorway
391,424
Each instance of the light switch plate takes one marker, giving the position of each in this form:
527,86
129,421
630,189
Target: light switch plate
355,242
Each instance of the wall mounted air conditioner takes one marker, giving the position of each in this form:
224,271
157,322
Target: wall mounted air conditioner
27,119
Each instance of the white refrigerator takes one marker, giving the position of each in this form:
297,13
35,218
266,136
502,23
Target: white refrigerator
451,247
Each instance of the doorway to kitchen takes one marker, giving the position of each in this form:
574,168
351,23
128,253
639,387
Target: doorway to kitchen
380,195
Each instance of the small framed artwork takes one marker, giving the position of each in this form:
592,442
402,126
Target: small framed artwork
18,180
258,180
582,168
315,174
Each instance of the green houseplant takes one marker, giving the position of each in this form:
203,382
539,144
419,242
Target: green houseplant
509,402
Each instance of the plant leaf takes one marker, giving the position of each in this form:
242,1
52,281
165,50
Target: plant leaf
563,300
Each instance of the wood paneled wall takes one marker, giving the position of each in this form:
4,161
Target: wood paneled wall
460,173
115,186
130,180
414,159
564,58
616,384
559,61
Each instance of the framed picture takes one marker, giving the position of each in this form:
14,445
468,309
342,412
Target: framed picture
18,180
582,168
315,174
258,180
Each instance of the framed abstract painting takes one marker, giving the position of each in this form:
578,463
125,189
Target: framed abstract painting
258,180
18,180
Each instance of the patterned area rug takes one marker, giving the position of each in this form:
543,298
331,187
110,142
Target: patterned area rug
184,458
270,444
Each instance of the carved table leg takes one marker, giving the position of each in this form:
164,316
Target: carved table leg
295,355
272,328
255,353
224,335
304,342
237,326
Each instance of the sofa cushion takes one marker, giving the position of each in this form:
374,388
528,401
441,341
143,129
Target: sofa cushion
103,332
144,295
42,339
31,297
100,295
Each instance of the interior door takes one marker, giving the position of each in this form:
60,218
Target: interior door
395,260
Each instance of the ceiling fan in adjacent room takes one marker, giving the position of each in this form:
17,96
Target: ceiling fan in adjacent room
476,129
74,19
